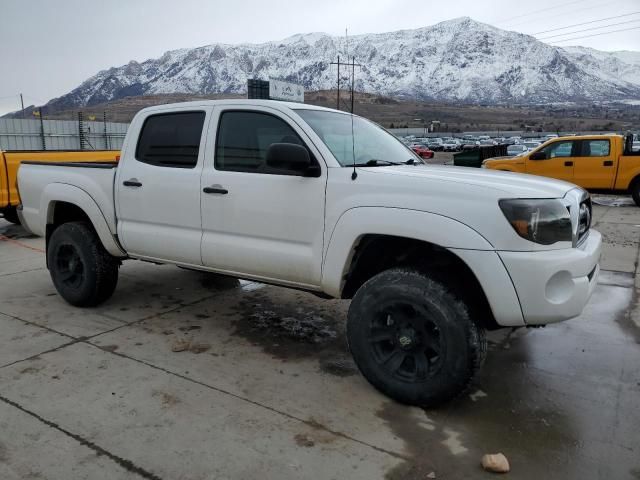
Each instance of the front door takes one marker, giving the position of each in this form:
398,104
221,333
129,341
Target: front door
558,162
259,222
158,187
595,166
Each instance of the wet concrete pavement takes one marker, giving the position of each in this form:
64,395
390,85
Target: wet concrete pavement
193,376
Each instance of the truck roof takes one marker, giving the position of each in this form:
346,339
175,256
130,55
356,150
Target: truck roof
261,103
587,137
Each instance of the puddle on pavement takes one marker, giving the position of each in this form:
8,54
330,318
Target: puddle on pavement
613,201
297,325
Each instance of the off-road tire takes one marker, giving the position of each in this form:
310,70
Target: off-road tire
11,215
635,191
403,313
83,272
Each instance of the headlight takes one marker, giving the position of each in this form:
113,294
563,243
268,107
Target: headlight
544,221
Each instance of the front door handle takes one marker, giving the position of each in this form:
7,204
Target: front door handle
215,189
132,182
608,163
568,164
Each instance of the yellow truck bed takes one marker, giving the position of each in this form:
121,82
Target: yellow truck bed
10,161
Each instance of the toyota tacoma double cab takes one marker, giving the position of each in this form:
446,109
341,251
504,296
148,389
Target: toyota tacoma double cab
327,202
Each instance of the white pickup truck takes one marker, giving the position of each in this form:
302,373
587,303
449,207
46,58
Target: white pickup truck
320,200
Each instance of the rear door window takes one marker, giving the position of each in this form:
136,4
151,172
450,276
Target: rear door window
595,148
171,139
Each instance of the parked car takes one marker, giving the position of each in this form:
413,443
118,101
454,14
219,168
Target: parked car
451,146
435,144
513,150
422,150
605,163
10,161
326,202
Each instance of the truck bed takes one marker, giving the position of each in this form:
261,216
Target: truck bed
40,182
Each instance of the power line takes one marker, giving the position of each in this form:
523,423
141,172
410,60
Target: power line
582,10
584,23
588,29
538,11
596,34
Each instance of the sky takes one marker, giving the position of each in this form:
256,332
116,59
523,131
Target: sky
48,47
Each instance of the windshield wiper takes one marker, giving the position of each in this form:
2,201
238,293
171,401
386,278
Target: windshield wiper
374,162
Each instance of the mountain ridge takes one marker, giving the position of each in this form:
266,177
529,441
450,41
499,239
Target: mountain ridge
459,60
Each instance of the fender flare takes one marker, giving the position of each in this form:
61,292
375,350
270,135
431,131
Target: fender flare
61,192
415,224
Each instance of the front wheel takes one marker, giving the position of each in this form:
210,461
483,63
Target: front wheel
83,272
413,339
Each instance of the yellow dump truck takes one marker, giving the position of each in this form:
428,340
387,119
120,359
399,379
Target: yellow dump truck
10,161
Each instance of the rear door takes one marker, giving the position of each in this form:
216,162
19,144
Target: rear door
595,166
259,222
558,162
158,186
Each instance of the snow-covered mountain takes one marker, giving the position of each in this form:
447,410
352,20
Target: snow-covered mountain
458,60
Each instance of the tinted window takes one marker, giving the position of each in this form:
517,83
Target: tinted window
595,148
243,139
559,149
171,139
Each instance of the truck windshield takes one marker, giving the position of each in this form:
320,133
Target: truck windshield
368,144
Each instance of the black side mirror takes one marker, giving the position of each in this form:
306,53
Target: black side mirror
538,156
288,156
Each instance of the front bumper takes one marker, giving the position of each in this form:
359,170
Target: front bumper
555,285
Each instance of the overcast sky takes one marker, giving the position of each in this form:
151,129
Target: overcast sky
48,47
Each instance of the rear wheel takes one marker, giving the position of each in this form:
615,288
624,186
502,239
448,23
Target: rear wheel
11,215
413,338
635,191
83,272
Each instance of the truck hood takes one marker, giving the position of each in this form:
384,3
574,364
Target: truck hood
495,161
515,185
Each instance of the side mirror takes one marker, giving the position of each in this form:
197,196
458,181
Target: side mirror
288,156
538,156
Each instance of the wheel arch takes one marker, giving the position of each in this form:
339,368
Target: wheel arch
361,246
63,203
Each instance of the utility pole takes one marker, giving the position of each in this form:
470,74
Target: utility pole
22,104
104,126
337,63
44,144
338,102
353,66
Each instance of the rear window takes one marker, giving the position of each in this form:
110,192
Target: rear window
171,139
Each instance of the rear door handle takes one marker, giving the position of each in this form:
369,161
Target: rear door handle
132,182
568,164
608,163
216,189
